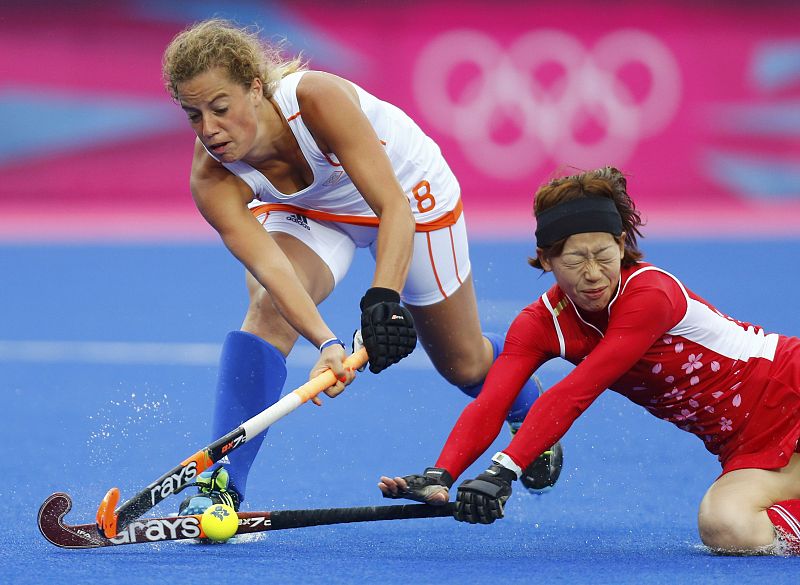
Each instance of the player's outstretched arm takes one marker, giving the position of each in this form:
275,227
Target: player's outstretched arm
222,199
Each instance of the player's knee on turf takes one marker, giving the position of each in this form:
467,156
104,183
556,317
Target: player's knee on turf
727,528
729,537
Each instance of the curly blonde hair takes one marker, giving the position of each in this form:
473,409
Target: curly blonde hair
604,182
220,43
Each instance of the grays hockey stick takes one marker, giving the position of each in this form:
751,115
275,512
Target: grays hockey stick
151,530
112,519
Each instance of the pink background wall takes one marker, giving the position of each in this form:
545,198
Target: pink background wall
699,105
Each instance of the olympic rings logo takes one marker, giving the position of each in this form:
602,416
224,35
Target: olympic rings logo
588,88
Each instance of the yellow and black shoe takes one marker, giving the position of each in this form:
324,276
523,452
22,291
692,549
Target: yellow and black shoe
541,475
213,487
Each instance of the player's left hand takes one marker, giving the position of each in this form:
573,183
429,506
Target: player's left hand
387,328
481,500
332,358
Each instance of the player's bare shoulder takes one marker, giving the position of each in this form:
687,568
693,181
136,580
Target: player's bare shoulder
316,87
332,112
325,100
209,179
205,169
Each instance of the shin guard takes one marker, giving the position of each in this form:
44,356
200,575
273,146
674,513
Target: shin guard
251,376
526,397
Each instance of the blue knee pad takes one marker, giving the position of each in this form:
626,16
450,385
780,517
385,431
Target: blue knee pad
526,397
251,376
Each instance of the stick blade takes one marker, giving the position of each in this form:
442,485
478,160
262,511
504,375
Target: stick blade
52,527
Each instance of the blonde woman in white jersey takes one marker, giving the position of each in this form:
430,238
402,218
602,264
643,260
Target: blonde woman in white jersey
296,169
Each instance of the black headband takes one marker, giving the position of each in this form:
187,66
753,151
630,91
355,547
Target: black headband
577,216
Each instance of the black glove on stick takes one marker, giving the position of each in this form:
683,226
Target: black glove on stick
481,500
386,328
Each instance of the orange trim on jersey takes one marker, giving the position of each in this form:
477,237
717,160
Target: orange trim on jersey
433,265
330,161
455,260
446,220
293,116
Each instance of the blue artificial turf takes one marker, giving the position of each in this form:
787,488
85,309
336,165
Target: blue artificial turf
623,512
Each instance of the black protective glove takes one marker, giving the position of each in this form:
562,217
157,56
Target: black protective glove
481,500
420,487
386,328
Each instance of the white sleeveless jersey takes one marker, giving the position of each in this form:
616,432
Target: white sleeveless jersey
432,189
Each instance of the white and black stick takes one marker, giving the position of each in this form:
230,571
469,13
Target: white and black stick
144,530
112,519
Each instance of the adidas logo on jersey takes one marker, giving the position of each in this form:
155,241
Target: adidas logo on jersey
335,177
300,220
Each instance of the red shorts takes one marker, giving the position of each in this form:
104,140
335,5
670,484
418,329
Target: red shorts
771,436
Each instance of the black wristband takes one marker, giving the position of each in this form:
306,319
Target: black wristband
502,472
377,295
441,474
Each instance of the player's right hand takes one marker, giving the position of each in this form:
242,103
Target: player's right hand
332,358
432,487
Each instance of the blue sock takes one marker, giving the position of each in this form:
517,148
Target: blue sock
251,376
526,396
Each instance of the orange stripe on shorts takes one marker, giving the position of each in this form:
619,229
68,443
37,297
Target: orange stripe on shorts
455,260
433,265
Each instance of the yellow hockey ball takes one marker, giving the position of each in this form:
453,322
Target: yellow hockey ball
219,522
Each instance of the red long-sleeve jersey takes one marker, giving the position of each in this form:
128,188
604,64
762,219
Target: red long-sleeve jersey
661,346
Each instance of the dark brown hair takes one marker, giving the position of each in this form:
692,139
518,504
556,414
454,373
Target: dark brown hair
605,182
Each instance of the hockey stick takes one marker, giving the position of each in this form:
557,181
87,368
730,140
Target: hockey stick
54,508
111,519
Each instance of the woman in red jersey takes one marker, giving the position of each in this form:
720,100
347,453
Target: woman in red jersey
636,329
